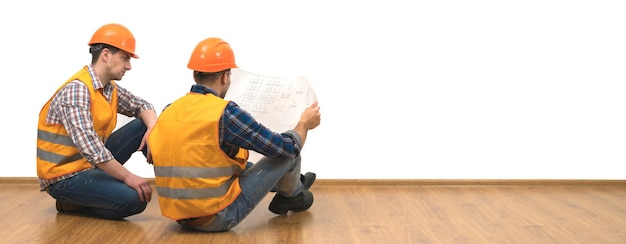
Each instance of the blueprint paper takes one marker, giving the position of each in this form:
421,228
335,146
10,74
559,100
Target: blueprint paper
274,101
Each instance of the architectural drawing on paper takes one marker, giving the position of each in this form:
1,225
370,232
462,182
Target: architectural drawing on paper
276,102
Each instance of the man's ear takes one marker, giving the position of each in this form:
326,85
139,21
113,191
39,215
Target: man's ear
224,78
105,55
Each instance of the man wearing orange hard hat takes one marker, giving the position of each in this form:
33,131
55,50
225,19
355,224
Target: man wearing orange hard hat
199,150
79,156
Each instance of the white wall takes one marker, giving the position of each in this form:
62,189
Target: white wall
408,90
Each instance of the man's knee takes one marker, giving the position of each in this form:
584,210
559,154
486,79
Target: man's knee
133,207
138,125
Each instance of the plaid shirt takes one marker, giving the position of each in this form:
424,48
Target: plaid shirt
238,129
71,107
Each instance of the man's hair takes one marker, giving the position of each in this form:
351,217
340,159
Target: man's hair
205,78
96,50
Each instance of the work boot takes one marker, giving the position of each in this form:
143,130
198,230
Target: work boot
64,207
281,204
306,179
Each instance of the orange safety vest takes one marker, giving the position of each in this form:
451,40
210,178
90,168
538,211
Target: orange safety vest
57,154
194,177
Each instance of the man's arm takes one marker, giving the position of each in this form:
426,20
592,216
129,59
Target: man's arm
149,118
135,106
240,129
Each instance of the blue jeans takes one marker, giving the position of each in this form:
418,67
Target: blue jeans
98,192
257,180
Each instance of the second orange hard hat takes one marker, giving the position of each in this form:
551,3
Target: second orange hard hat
212,55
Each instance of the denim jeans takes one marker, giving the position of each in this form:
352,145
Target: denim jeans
257,180
98,192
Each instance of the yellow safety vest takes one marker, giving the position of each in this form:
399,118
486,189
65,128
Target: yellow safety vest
57,154
194,177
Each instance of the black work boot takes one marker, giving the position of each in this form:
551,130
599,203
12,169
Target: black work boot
67,207
307,180
281,204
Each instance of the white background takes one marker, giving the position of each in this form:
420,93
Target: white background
408,89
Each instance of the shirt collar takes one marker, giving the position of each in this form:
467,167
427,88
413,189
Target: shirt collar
97,84
202,89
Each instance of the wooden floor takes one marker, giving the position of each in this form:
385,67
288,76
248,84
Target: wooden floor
356,213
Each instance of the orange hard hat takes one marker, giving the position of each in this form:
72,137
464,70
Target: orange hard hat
212,55
115,35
